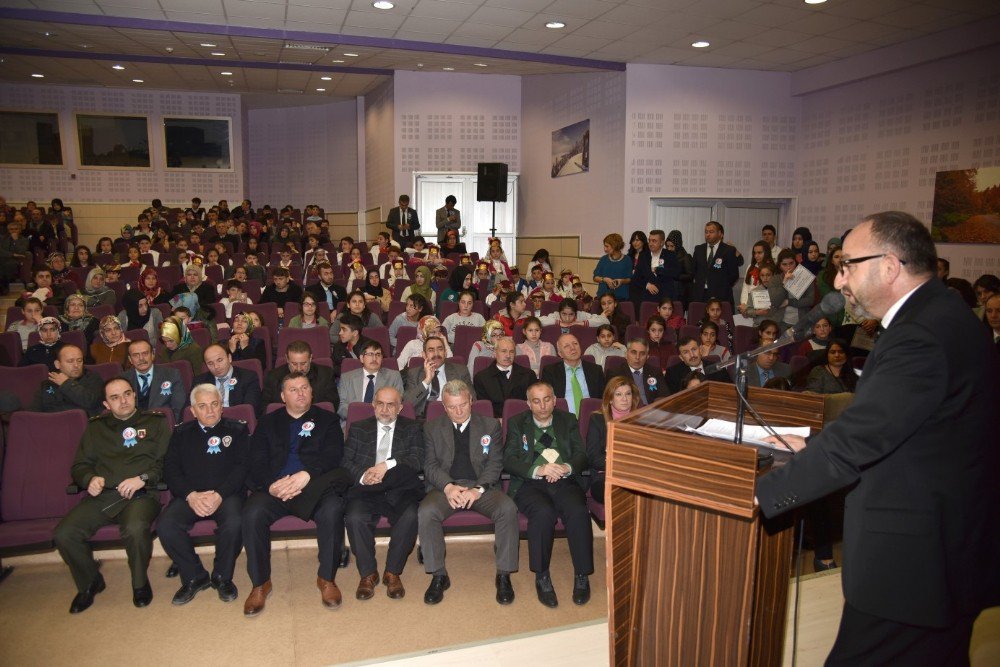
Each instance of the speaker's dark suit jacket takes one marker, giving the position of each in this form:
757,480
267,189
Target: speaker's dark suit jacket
653,382
246,391
555,375
407,451
492,385
665,276
720,276
921,446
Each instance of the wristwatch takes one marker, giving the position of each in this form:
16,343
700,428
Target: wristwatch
144,477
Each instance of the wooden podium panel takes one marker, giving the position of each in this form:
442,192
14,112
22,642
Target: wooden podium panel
695,577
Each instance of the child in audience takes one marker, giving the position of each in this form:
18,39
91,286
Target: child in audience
708,345
565,286
416,308
665,309
713,314
659,345
580,295
537,297
549,288
308,318
607,345
464,316
32,311
533,346
281,291
253,268
234,294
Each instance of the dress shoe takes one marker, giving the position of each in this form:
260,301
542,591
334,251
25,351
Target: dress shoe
257,598
83,600
505,591
173,571
142,596
187,592
546,594
329,591
366,587
820,566
581,589
226,588
393,585
435,592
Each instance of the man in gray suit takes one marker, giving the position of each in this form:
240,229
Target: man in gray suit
447,217
766,367
424,383
159,387
463,457
360,385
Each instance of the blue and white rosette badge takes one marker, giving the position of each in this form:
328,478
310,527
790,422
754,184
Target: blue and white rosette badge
165,388
231,382
524,442
129,437
718,262
652,383
307,428
213,445
485,442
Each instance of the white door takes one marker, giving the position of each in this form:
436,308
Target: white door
477,217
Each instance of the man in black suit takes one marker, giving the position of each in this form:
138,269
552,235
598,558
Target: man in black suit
767,367
299,359
384,455
503,379
716,266
403,222
154,386
325,290
646,377
920,448
295,470
656,272
238,386
687,349
573,378
424,383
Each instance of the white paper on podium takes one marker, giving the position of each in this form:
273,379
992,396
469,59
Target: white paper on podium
752,435
801,279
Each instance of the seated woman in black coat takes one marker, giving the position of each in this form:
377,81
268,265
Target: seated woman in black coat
242,345
620,398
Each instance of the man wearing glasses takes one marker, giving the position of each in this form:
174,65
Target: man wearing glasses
360,384
920,448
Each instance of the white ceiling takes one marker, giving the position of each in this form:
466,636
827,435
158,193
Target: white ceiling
782,35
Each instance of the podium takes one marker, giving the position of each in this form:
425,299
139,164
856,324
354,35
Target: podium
696,575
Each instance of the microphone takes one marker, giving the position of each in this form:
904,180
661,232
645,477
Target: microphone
832,303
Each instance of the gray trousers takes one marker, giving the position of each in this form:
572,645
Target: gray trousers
494,504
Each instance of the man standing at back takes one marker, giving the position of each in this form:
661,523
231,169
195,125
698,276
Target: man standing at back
403,222
716,266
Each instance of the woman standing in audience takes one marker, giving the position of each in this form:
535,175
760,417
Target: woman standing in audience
795,308
32,311
308,317
492,332
178,345
513,315
96,292
613,273
75,317
620,398
800,244
533,346
416,308
464,316
813,259
421,285
242,345
659,345
428,326
112,347
607,345
675,244
836,375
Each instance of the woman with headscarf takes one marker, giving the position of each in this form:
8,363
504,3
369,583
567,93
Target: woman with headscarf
492,332
112,346
201,290
96,292
76,318
675,244
427,326
421,285
375,291
800,243
242,345
178,345
459,281
813,259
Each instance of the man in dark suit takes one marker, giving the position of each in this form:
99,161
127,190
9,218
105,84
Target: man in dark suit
919,447
646,377
462,463
299,359
325,290
238,386
716,266
295,470
656,272
360,385
503,379
545,458
384,455
573,378
687,349
71,386
423,383
159,387
350,341
767,367
403,222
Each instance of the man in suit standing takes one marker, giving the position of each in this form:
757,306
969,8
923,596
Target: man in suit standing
656,272
237,386
545,457
462,462
447,217
919,447
295,470
325,290
360,385
299,359
716,266
503,379
573,378
647,378
690,354
403,222
767,367
424,383
384,455
159,387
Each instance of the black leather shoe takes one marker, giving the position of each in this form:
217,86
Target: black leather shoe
581,589
435,592
505,591
546,594
173,571
820,566
83,600
187,592
226,588
142,596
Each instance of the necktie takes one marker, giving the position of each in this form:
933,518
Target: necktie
143,383
637,376
370,389
711,253
384,445
577,392
221,384
458,430
329,297
435,389
545,439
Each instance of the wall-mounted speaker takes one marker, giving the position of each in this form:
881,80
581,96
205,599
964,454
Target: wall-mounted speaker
491,184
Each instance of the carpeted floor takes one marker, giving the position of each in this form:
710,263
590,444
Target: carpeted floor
294,628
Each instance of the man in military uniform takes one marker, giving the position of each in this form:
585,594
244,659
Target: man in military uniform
71,386
119,462
206,469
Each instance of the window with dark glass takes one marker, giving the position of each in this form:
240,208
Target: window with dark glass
113,141
29,138
197,143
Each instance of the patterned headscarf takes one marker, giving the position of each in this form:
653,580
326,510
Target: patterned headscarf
174,329
424,290
488,329
111,319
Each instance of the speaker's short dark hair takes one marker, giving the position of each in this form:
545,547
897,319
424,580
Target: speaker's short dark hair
907,238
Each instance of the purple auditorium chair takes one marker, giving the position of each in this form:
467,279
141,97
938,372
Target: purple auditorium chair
106,371
465,336
10,348
23,381
252,365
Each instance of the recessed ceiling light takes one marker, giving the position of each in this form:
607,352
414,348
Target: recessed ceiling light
337,61
208,45
480,65
50,34
555,25
136,80
700,44
326,78
321,90
118,67
448,69
85,46
351,55
815,2
38,76
218,53
226,73
383,4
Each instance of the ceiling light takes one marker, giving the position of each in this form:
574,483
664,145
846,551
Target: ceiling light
50,34
136,80
555,25
383,4
326,78
351,55
218,53
208,45
321,90
815,2
85,46
337,61
700,44
118,67
226,73
38,76
480,65
448,69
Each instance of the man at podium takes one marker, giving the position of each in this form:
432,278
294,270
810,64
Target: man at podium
920,445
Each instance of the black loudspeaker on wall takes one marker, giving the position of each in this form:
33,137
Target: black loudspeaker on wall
492,182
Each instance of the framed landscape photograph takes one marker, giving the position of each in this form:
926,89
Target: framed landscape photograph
967,206
571,149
